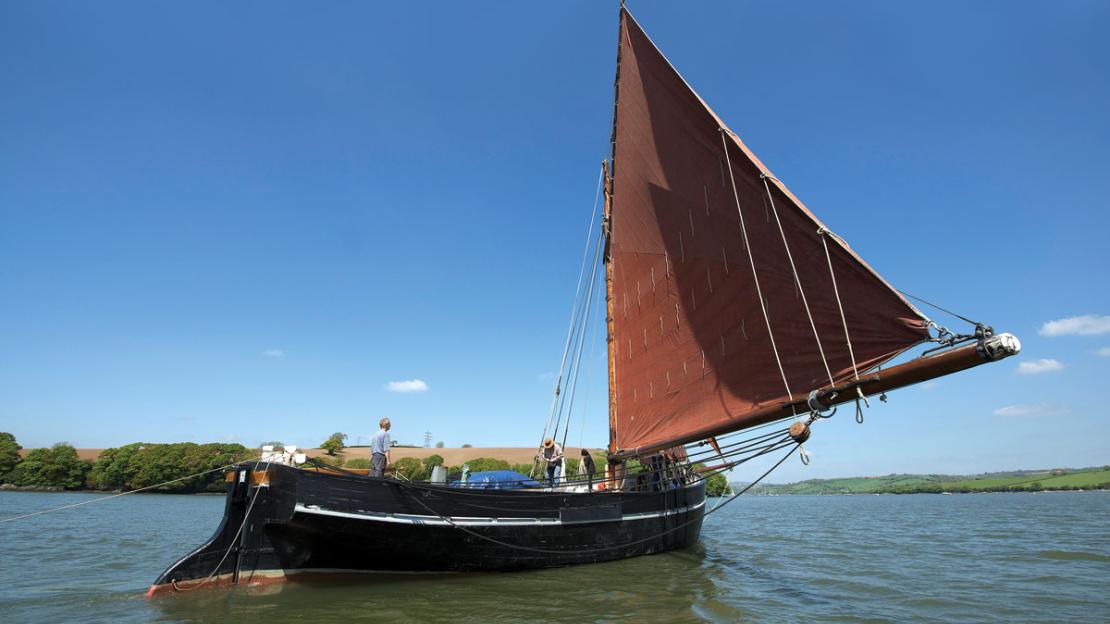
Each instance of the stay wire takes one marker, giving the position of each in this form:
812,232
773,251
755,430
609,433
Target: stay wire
574,307
962,318
736,447
581,347
573,372
589,378
771,448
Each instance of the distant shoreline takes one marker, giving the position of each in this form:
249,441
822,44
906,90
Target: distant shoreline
931,493
1096,478
57,489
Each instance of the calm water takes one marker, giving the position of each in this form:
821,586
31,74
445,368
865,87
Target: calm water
924,558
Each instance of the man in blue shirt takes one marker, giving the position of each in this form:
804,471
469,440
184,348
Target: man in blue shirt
379,449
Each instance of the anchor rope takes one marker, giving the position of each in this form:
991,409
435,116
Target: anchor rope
231,546
104,498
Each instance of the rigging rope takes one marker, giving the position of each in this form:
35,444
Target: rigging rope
549,551
962,318
592,340
735,447
580,346
797,279
822,231
755,276
836,291
575,306
104,498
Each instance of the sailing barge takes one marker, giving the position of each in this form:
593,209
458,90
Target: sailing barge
728,306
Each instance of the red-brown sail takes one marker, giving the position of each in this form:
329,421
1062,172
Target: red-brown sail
697,234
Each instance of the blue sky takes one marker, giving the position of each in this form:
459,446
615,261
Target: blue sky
243,221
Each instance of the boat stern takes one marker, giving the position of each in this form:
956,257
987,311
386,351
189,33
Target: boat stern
239,551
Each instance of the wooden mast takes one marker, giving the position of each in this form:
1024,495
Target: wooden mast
608,169
611,344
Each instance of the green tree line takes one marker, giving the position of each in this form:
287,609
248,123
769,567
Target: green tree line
141,465
128,467
57,466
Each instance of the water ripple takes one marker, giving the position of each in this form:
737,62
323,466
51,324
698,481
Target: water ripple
968,558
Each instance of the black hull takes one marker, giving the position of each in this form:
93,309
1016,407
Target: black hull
302,521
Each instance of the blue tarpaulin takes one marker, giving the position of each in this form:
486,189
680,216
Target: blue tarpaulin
497,480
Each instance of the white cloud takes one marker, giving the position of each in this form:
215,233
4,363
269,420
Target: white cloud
545,377
929,385
1035,409
1036,367
412,385
274,353
1089,325
1104,352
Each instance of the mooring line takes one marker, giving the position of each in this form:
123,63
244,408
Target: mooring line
232,544
104,498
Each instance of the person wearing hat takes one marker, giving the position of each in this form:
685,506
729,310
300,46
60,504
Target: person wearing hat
552,454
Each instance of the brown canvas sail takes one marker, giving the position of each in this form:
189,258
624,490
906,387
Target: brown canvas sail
697,234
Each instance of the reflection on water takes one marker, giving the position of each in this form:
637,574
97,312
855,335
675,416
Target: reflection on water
1014,557
650,587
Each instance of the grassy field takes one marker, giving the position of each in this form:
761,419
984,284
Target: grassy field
1025,480
1079,479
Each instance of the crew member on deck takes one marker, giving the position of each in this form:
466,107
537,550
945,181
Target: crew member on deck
553,455
588,462
379,449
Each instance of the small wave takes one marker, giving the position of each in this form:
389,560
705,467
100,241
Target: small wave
1068,555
